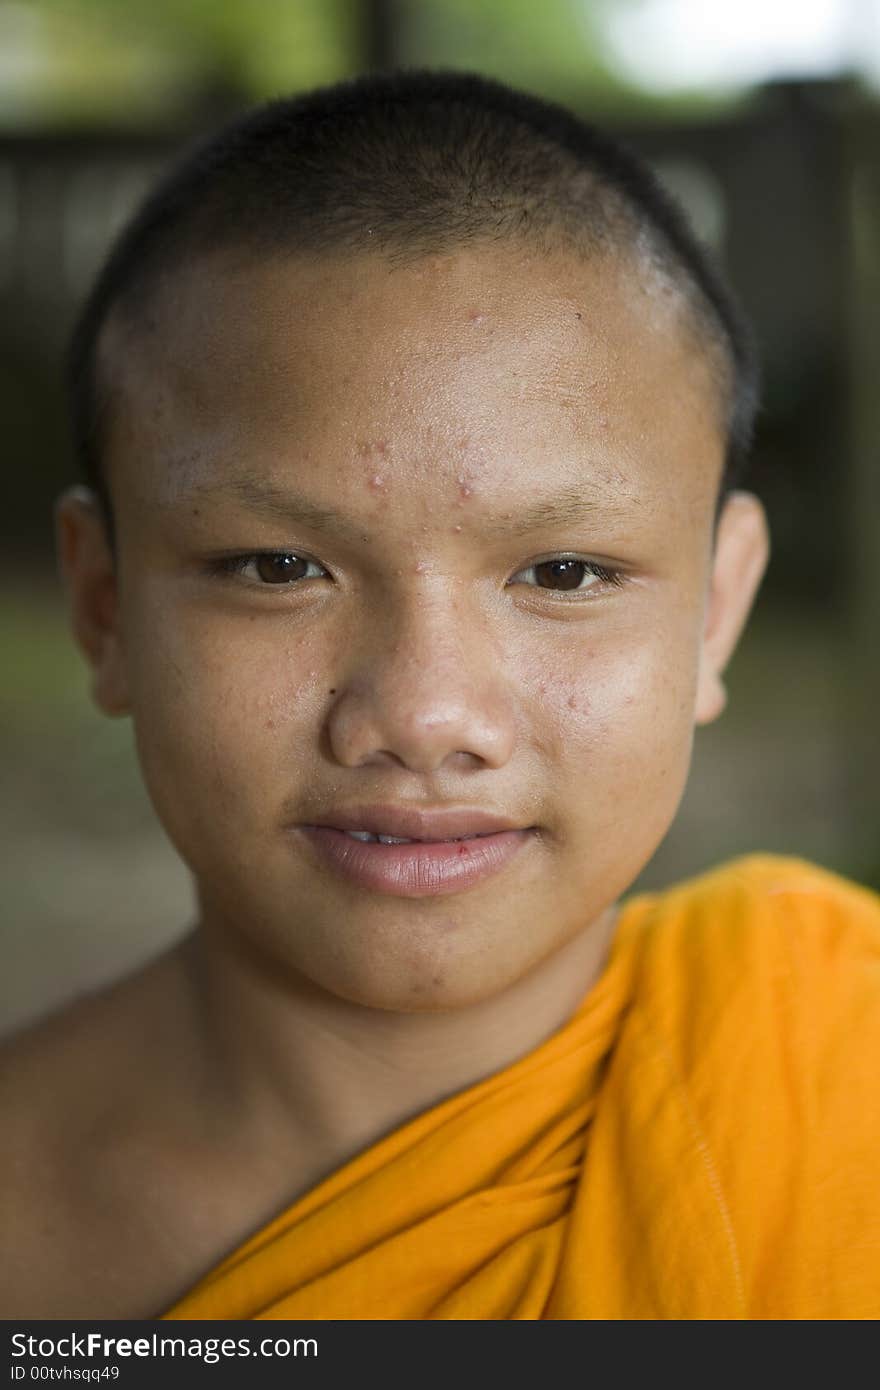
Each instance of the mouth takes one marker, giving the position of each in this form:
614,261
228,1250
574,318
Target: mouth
367,837
412,822
401,866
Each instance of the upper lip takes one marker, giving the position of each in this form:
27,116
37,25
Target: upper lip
412,823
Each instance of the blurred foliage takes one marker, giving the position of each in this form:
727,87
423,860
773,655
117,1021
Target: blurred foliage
87,62
152,60
527,44
558,48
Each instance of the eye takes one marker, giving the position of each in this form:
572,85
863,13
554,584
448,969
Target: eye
269,567
565,573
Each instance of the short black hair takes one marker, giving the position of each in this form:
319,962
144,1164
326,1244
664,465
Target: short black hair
407,163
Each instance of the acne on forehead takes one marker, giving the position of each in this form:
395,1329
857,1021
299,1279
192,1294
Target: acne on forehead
580,321
547,294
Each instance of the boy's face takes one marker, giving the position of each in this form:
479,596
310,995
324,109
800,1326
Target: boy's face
423,653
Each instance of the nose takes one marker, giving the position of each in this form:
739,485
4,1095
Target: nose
424,689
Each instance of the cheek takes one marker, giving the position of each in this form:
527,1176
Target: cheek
616,717
223,717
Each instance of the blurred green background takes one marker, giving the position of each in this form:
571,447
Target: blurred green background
764,120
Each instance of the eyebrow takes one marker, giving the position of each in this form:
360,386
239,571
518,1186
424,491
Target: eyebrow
265,498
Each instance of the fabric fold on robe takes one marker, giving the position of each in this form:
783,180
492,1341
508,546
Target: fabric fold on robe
665,1154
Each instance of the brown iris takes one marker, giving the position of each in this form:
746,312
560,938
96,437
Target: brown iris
279,569
563,574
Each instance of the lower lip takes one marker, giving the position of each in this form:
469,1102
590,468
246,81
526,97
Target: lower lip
417,870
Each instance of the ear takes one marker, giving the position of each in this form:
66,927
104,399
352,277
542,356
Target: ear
742,550
89,572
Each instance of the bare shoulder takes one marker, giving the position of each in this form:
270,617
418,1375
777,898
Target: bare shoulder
51,1077
120,1184
71,1088
58,1074
36,1062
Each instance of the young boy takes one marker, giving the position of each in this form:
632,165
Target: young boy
411,414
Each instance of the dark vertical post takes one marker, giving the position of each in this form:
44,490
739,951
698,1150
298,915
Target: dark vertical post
379,26
863,636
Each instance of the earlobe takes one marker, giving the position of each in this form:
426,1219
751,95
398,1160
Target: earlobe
711,697
89,572
742,551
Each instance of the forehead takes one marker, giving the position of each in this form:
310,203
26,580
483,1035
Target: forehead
511,361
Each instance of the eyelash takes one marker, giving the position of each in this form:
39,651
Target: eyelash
229,566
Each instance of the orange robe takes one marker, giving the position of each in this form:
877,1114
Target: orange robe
701,1140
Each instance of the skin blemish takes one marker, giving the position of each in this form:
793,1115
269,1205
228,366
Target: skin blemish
457,528
464,489
333,691
476,316
377,483
422,567
366,448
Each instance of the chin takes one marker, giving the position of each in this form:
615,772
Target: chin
437,990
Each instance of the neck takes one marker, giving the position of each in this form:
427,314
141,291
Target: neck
316,1079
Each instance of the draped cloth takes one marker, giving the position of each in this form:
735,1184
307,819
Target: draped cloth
699,1141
